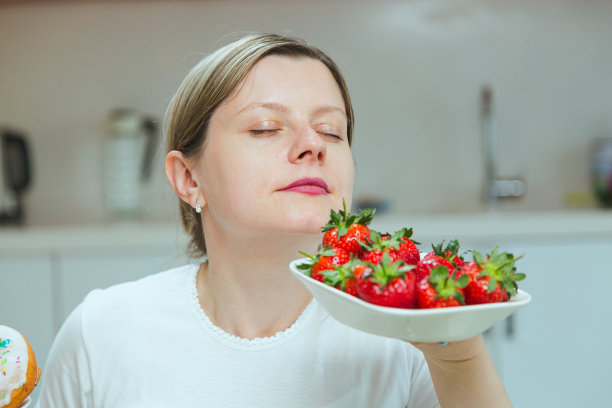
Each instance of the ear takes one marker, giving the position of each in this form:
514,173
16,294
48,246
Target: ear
179,171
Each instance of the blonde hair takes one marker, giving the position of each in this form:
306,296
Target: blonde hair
209,84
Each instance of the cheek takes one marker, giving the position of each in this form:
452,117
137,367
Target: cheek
231,181
346,176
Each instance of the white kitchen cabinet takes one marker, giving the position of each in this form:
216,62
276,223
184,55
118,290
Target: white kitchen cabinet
558,355
26,302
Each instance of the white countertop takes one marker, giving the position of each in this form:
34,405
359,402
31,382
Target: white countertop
495,226
125,235
504,225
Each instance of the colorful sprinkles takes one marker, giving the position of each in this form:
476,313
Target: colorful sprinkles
5,345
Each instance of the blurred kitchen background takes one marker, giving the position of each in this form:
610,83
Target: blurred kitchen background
487,121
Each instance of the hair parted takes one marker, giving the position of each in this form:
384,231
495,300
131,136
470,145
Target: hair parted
210,83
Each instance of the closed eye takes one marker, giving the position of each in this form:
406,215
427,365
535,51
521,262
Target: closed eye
263,132
331,135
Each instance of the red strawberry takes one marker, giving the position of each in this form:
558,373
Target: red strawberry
450,252
359,271
491,279
441,289
326,259
347,276
399,246
428,263
390,283
347,231
446,257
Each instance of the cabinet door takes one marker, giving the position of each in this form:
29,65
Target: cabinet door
83,272
25,300
557,355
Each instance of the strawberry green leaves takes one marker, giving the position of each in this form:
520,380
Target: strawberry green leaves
447,285
342,219
501,270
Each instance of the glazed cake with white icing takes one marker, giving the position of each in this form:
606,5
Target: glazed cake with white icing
18,370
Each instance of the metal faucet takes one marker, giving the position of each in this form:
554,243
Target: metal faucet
495,188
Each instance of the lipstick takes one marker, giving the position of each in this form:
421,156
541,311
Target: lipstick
308,185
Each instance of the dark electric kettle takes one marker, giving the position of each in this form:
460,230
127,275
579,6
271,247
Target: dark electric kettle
15,175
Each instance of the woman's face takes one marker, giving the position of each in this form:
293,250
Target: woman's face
277,155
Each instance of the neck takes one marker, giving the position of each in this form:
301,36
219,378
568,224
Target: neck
246,287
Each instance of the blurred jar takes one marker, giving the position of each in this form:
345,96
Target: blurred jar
129,148
602,170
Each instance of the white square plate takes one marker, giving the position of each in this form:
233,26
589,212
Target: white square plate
426,325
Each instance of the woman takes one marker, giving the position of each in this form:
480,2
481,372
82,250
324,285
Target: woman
258,140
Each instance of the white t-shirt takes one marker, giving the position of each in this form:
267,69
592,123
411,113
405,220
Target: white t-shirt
149,344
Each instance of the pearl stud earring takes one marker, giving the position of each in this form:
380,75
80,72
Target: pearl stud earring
198,209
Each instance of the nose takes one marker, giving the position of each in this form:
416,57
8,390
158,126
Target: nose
307,146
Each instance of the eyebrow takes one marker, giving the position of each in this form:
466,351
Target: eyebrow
279,107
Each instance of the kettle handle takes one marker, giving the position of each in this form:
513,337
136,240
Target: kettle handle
20,179
150,126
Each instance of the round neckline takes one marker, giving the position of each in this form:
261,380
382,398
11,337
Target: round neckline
243,343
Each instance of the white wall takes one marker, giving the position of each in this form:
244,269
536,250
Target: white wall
414,68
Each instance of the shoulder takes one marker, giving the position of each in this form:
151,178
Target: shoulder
128,301
172,281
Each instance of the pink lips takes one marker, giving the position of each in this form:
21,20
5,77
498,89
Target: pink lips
308,185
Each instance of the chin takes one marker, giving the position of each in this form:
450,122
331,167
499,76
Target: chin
308,220
304,214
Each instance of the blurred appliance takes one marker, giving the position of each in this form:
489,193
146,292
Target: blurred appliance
15,175
129,148
602,170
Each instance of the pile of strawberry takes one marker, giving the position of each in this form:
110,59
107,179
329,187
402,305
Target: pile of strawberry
387,269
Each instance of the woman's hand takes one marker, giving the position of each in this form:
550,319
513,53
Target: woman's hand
463,374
